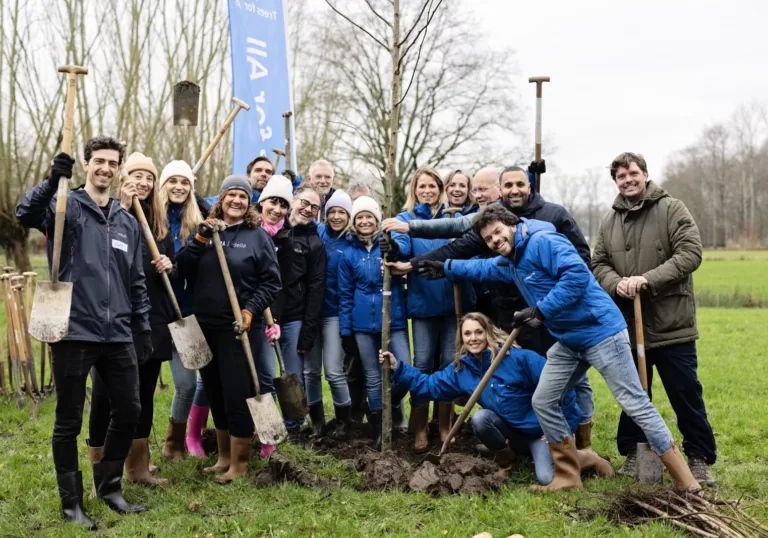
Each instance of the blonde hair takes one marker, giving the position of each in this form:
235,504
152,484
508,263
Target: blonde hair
496,337
190,213
157,218
470,201
411,201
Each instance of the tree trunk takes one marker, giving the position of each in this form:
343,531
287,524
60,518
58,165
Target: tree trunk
19,255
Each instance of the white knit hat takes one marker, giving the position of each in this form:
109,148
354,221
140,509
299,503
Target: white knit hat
366,203
278,187
177,168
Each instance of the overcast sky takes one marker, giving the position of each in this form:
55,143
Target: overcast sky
644,76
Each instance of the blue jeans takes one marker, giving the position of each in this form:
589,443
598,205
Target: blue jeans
494,432
431,335
183,389
266,360
294,361
200,400
326,353
369,346
612,358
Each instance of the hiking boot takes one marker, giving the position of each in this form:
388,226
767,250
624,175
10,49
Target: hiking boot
445,415
700,471
174,440
107,477
567,470
317,415
223,460
137,465
584,436
343,423
71,493
419,418
678,470
589,461
630,464
198,416
240,457
504,459
376,429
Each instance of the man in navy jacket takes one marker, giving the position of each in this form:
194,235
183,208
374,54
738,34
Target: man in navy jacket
101,256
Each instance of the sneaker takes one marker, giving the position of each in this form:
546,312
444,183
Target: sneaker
630,465
700,471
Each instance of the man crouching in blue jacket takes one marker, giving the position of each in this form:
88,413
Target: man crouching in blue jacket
562,294
102,257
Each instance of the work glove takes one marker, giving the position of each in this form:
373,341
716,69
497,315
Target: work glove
537,167
146,345
205,230
241,328
61,166
430,270
389,249
290,174
531,316
273,333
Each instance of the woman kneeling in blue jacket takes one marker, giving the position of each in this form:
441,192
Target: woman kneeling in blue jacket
507,421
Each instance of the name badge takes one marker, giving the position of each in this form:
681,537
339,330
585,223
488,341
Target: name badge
119,245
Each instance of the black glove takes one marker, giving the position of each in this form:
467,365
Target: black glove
531,316
537,167
349,345
389,249
147,349
61,166
206,228
430,270
290,174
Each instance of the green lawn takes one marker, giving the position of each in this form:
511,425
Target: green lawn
736,391
732,279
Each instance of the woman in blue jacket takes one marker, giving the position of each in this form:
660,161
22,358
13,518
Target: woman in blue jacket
507,422
430,302
458,192
360,298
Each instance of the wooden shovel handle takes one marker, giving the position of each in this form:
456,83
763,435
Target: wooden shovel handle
480,387
288,160
269,320
640,339
221,132
235,308
155,253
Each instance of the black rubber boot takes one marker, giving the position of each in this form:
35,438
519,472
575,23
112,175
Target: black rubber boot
357,397
343,423
71,493
376,429
398,418
107,476
317,415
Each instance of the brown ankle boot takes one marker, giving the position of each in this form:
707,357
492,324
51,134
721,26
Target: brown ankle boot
567,471
419,418
137,465
504,458
679,470
589,461
222,463
445,419
240,460
583,436
175,434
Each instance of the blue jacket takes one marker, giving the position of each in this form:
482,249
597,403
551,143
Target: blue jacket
550,275
508,393
360,293
102,257
181,287
428,298
334,250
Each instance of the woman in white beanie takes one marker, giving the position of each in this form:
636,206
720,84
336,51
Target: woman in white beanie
360,300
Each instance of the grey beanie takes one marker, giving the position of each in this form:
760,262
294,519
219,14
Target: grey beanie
235,181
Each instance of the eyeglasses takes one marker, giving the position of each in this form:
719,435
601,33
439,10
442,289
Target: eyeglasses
306,203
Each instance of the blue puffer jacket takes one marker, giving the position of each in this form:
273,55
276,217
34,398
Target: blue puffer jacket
508,394
180,286
360,293
334,250
550,275
428,298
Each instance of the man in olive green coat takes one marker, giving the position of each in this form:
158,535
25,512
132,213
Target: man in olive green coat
649,244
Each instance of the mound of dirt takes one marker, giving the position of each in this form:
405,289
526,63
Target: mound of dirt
457,473
282,469
382,470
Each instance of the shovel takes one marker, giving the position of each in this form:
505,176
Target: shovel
293,401
650,470
23,351
49,321
14,370
266,418
29,362
222,130
186,334
186,99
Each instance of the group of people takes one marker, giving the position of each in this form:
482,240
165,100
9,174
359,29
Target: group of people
487,245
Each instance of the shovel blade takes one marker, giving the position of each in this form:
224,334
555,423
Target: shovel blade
190,343
186,98
267,420
293,401
650,470
49,320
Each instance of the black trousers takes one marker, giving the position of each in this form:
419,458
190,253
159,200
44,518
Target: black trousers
98,422
228,383
677,366
117,366
353,368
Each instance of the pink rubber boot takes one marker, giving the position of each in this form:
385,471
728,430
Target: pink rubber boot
198,417
266,451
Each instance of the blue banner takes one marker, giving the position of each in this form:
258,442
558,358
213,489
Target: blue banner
260,77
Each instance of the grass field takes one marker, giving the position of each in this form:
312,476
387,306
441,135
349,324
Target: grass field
732,278
736,391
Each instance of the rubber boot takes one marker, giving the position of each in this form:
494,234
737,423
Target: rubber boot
94,456
198,417
589,461
266,451
504,458
398,418
678,470
137,465
317,415
174,440
357,397
107,476
584,436
240,458
71,493
445,419
419,419
222,462
567,471
376,429
343,423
